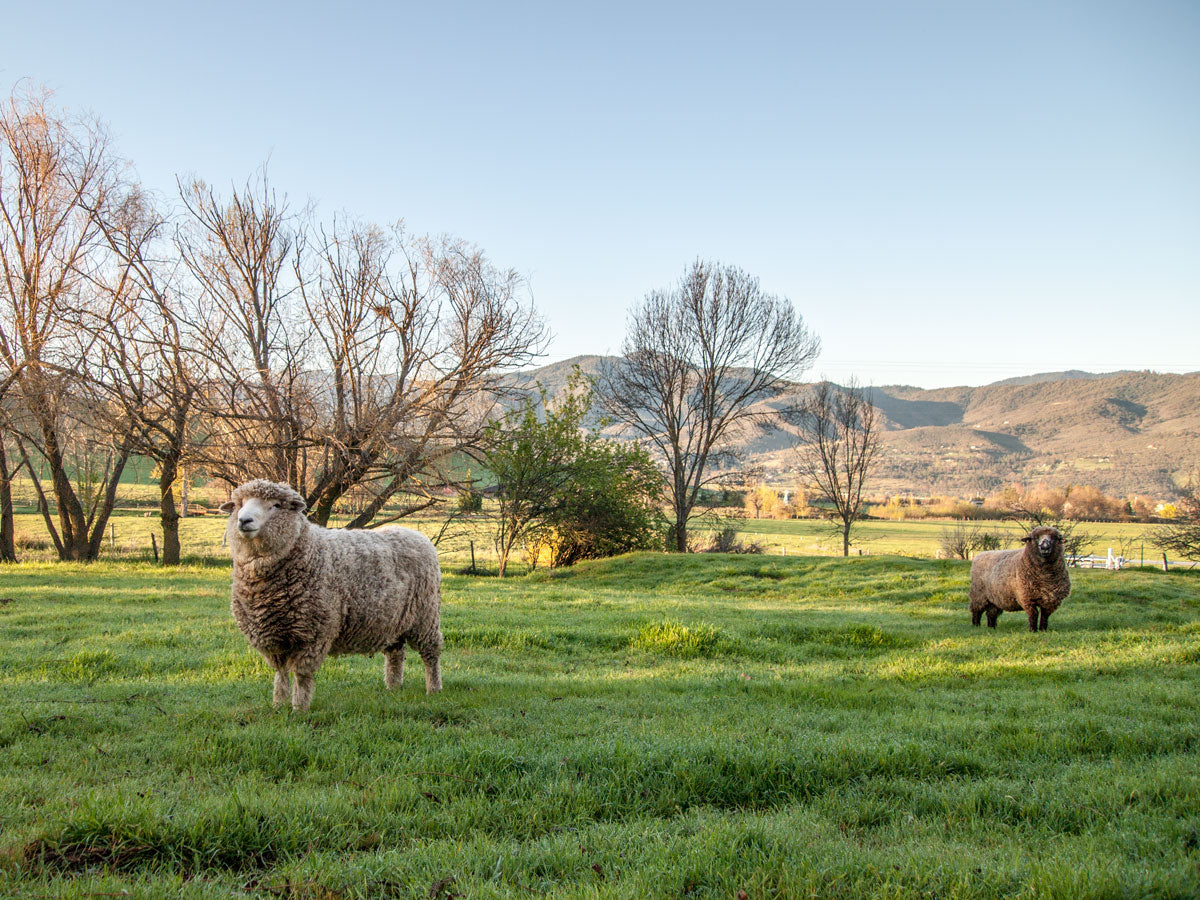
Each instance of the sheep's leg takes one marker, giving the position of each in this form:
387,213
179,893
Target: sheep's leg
1044,620
431,654
1032,612
993,613
279,694
303,670
433,671
976,615
302,691
393,668
281,687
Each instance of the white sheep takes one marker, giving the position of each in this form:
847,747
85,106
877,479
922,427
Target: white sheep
302,592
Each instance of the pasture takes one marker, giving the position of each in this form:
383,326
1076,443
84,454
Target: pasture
200,536
648,726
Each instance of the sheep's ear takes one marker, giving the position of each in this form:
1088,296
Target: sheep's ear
1026,539
227,506
297,505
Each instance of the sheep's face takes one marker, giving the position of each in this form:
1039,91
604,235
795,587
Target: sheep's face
1047,542
272,516
255,513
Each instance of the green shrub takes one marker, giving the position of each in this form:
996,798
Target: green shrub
469,500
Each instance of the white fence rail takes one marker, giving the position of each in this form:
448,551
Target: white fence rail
1114,562
1099,562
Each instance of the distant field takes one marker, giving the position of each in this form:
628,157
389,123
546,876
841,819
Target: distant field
201,536
649,726
913,538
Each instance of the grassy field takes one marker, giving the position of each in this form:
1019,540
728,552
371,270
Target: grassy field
129,536
650,726
808,537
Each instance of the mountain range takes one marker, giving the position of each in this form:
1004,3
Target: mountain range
1123,432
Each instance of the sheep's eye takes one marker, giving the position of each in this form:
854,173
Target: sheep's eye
278,505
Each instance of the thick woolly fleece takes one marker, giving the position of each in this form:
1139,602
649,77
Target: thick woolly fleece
302,592
1008,580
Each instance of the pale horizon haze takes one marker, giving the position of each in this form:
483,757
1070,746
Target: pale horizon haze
949,193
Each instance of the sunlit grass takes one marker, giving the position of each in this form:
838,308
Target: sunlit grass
647,726
201,537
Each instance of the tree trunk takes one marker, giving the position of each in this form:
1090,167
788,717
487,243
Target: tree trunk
8,547
168,513
846,539
321,512
509,533
328,494
680,529
43,505
100,523
373,507
71,520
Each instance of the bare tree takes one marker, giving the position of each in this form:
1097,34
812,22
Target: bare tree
839,442
8,546
699,358
412,336
962,539
8,531
148,366
58,181
252,336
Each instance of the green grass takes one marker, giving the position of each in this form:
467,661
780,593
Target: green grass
651,726
200,537
916,537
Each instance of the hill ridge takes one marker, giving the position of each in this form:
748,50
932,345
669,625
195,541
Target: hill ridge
1129,431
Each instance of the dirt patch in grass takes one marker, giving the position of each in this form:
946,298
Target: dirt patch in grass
115,852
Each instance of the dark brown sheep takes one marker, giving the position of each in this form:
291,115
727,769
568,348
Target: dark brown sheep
1033,578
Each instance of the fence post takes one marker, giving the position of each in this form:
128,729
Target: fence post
1165,564
154,546
472,557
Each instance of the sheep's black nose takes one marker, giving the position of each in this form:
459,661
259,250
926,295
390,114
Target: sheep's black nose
245,523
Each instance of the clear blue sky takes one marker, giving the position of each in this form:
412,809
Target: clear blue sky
949,192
